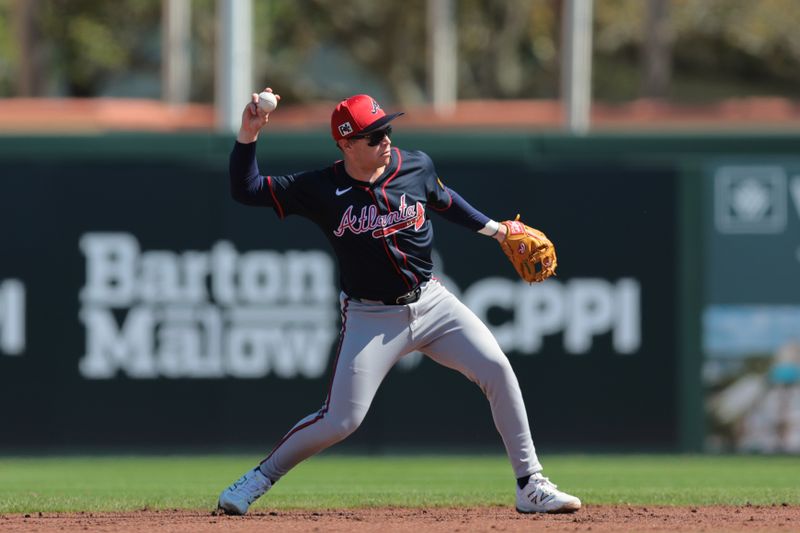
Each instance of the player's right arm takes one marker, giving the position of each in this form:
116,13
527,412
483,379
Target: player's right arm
282,193
248,186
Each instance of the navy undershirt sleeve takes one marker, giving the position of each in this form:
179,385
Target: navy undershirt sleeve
462,213
247,185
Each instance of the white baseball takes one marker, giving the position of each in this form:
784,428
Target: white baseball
267,102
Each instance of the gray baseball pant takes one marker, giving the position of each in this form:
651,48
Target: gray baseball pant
374,337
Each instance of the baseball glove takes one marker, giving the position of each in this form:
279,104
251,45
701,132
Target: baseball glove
529,250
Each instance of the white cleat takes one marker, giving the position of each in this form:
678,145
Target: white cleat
237,498
541,496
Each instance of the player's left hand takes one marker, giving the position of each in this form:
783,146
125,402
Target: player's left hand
529,250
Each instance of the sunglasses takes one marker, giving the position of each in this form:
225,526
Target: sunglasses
375,137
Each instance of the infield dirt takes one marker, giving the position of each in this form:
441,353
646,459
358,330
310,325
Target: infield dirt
594,518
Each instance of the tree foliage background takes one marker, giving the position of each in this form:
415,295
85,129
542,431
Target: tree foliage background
325,49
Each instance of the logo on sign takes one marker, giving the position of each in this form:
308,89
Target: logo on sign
750,199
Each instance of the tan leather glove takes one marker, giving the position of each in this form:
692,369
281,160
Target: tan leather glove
529,250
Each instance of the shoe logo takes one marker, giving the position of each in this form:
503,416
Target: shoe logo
340,192
540,496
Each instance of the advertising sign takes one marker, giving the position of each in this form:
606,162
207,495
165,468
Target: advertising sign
140,306
751,322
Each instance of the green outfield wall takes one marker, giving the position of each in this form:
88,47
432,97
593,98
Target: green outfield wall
141,307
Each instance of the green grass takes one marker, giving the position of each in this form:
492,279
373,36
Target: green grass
190,482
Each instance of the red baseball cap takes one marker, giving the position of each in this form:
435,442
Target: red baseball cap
358,114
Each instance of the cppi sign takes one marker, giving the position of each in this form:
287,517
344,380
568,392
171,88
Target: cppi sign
581,309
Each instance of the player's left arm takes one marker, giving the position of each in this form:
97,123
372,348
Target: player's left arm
530,251
455,208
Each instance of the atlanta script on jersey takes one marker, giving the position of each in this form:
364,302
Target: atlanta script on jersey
380,231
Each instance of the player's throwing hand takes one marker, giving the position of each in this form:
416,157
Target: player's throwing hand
253,118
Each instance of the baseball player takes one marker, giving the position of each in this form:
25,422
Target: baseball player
373,207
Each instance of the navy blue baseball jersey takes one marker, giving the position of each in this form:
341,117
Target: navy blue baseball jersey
380,231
